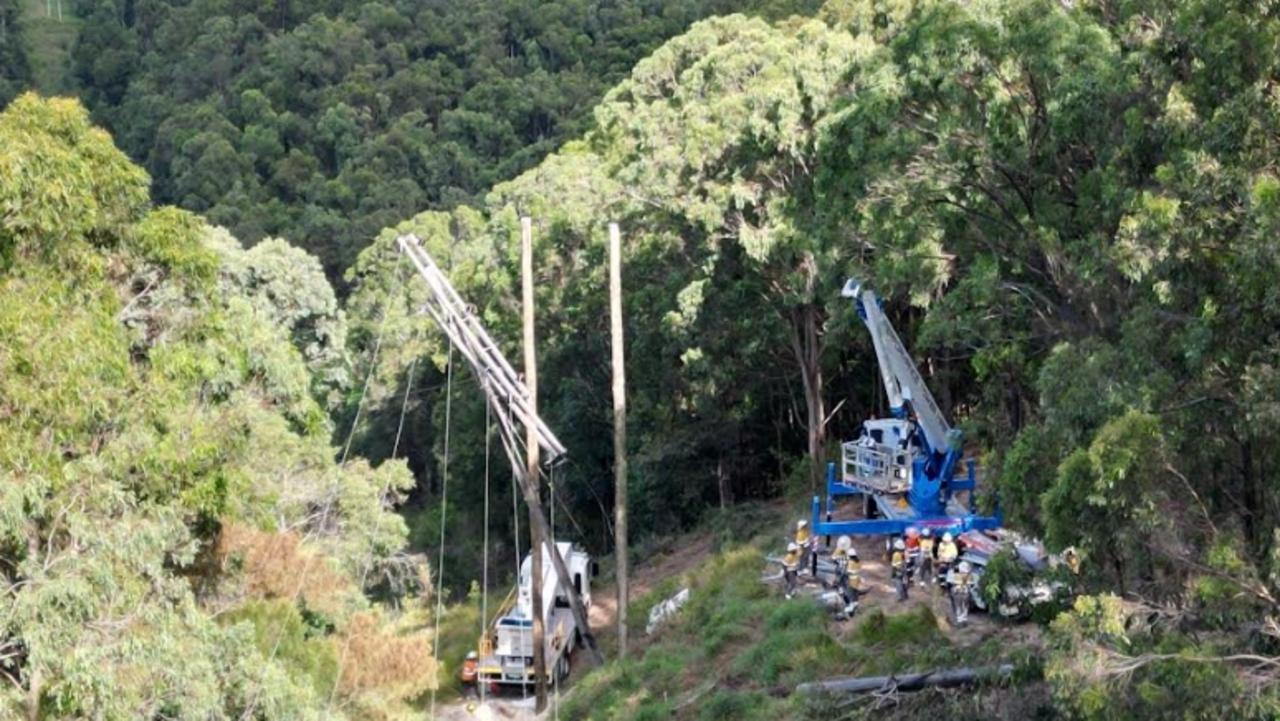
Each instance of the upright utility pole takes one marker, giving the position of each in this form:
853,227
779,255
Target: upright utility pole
531,466
619,431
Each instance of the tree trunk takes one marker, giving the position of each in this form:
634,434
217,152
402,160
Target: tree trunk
722,483
35,684
806,346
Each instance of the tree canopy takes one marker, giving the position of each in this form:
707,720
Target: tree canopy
177,538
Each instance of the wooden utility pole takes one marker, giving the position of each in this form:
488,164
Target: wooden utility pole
619,431
531,467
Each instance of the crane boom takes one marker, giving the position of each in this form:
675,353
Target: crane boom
902,380
508,396
503,387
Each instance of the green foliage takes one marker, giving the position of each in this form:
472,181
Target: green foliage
324,123
1168,676
279,629
65,185
143,411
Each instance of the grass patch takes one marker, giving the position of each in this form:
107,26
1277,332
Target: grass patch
796,647
729,705
644,688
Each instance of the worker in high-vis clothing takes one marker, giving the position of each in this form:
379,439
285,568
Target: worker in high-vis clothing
469,674
1072,558
851,581
804,539
961,583
898,568
948,552
926,556
791,568
912,539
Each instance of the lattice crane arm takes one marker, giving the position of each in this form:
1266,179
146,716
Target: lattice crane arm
503,388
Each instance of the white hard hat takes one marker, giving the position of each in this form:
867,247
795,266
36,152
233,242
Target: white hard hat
844,542
801,523
965,567
793,546
947,536
853,552
471,655
899,545
926,532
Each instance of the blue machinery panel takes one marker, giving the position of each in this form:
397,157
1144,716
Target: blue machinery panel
896,516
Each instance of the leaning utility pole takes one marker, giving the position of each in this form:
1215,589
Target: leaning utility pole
619,431
531,466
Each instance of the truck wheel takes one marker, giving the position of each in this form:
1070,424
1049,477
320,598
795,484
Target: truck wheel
562,667
577,639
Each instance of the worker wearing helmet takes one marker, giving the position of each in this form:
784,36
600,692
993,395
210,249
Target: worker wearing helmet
912,540
962,582
791,568
469,674
926,556
1072,558
948,552
844,543
898,566
851,588
804,539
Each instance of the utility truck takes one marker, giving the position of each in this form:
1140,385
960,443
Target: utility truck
506,652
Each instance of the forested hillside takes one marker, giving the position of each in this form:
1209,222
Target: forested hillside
1071,210
323,122
15,69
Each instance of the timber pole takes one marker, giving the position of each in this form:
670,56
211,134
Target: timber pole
532,493
619,431
945,678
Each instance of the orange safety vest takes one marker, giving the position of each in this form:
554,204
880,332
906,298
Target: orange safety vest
469,671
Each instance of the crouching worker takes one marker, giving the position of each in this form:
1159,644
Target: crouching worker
791,568
469,674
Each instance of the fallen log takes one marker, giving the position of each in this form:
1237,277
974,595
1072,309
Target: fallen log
946,678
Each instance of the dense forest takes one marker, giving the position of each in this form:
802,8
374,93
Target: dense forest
324,122
1070,207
